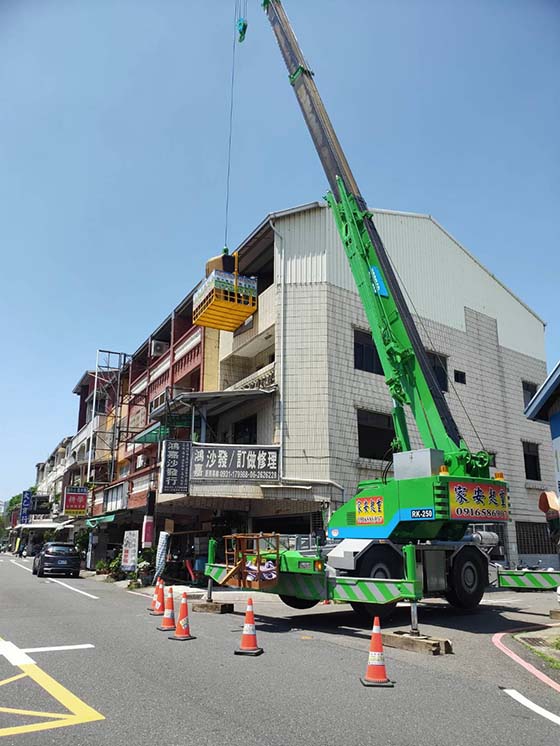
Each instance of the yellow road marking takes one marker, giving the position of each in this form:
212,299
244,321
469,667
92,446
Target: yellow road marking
78,712
13,678
34,713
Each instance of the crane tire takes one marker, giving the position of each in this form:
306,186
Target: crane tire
467,578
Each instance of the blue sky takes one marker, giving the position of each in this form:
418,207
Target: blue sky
113,129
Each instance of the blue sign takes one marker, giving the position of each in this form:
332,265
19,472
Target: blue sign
378,282
26,499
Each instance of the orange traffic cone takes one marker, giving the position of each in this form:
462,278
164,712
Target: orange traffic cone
249,636
168,621
376,675
158,608
154,596
183,630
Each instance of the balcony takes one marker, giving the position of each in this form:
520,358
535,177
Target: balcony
259,331
264,378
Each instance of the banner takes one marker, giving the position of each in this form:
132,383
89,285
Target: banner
129,561
26,500
161,554
234,463
75,501
477,502
175,464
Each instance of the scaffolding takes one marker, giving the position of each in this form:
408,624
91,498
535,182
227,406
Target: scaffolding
108,385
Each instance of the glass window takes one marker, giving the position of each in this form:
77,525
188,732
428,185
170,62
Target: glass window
375,434
529,390
438,364
531,458
365,353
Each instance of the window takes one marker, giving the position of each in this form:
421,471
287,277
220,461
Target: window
438,363
460,376
492,459
157,401
529,390
375,433
533,538
365,353
245,431
531,458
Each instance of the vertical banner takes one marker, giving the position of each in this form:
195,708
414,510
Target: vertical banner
148,532
161,553
175,465
26,500
129,561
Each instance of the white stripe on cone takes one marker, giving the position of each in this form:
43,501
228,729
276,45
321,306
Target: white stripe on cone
249,629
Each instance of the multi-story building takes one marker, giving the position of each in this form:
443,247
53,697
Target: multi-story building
314,386
50,473
290,411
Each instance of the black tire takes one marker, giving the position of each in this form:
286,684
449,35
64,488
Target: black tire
75,574
468,578
40,572
379,562
34,570
298,603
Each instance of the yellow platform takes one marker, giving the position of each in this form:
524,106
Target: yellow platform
224,309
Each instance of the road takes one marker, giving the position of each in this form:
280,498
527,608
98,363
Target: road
136,686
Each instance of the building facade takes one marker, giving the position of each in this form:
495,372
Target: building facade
298,390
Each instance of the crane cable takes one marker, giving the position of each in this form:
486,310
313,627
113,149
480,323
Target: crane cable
240,28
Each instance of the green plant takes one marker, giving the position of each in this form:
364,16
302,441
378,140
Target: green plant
101,567
81,539
115,570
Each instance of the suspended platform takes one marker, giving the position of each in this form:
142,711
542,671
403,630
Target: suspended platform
225,300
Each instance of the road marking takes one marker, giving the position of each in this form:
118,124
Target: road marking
497,641
58,647
143,595
53,580
532,706
13,654
76,590
77,710
22,566
13,678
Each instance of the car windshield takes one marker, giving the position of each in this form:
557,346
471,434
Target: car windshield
60,549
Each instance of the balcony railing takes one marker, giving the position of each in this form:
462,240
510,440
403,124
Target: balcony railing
263,378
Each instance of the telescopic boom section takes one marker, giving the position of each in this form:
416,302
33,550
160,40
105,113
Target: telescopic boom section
407,370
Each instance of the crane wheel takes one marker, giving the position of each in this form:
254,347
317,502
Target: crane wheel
468,578
378,562
298,603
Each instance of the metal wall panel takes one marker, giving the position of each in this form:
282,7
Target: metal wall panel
437,273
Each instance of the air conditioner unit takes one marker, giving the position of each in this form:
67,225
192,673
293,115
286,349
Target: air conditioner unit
158,348
142,461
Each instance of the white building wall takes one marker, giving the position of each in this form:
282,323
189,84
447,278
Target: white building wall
477,323
441,277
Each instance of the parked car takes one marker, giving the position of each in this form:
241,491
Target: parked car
57,557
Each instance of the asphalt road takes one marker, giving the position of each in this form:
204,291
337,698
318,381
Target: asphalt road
304,689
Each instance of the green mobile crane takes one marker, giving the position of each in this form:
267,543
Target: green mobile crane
399,537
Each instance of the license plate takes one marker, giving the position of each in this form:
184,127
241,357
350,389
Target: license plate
62,562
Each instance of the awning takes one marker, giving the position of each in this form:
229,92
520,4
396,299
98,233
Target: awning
215,402
66,524
158,431
93,522
37,526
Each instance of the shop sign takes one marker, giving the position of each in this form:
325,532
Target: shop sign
175,462
370,511
478,502
26,501
75,501
129,561
227,463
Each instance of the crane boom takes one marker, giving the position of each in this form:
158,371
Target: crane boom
407,369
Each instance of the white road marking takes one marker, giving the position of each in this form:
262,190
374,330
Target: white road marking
71,587
13,654
58,647
532,706
139,594
22,566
